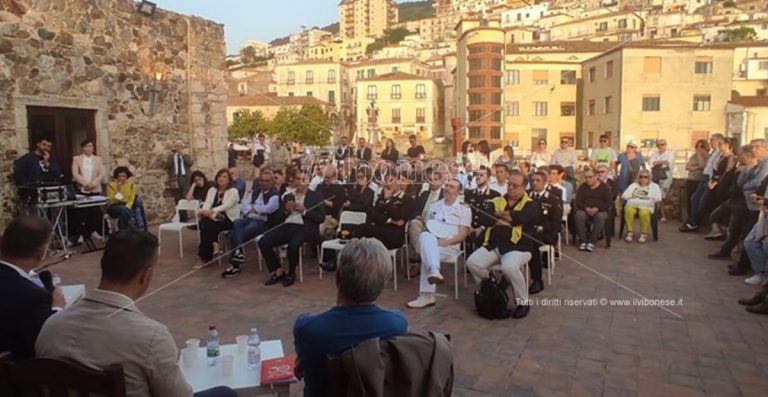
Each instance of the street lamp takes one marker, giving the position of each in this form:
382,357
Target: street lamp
373,129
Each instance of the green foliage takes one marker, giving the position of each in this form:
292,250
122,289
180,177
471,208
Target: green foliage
413,11
390,37
729,3
743,33
247,124
310,125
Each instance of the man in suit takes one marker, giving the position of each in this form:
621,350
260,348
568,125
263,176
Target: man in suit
107,328
177,165
304,212
479,201
550,222
417,224
343,150
363,153
24,305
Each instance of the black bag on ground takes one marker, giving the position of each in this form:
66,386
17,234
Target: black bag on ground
491,300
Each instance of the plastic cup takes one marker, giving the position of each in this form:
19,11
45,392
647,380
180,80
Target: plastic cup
193,343
242,343
226,365
189,356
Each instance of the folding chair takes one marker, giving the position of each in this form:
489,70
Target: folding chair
346,218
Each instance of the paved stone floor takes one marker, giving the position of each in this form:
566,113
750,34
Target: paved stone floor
709,346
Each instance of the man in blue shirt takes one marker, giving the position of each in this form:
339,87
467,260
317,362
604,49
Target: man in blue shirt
364,269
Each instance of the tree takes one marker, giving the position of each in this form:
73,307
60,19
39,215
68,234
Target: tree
310,125
247,124
247,54
729,3
742,33
390,37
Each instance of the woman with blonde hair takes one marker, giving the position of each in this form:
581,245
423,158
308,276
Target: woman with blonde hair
641,198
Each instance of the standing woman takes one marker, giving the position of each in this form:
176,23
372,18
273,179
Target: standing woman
468,154
630,164
218,213
390,152
541,156
483,155
661,171
695,167
88,173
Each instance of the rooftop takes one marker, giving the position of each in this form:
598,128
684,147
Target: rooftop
395,76
272,100
750,101
561,46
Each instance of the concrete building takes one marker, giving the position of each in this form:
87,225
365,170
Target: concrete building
645,90
260,48
269,105
528,15
748,117
366,18
406,103
543,82
750,68
614,26
250,80
132,84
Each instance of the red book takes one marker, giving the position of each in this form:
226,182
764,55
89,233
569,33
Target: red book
278,370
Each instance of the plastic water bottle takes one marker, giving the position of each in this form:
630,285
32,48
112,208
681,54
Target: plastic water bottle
212,347
254,349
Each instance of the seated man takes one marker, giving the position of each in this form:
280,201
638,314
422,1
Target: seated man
509,242
479,201
24,306
421,209
453,214
557,180
106,327
593,201
334,195
364,269
550,222
255,214
304,213
498,183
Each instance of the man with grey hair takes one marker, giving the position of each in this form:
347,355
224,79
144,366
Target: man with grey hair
177,164
364,269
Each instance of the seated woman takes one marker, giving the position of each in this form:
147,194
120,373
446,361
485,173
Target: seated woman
641,197
219,211
198,189
123,200
360,196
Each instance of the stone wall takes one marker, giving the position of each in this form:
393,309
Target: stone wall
104,55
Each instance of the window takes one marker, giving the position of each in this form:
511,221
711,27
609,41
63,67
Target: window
513,108
331,96
309,93
475,115
496,64
496,81
497,49
475,64
331,76
371,72
567,77
762,65
608,105
513,77
536,135
652,65
495,132
290,93
476,50
567,108
310,77
698,135
476,99
702,103
496,116
703,65
475,132
592,74
609,69
512,138
372,92
395,115
394,69
539,108
360,74
496,98
476,81
291,78
421,115
622,23
591,108
602,27
395,94
421,91
651,103
540,77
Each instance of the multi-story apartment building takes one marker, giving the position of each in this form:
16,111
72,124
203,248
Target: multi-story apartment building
260,49
541,90
528,15
406,103
750,68
614,26
329,50
366,18
645,90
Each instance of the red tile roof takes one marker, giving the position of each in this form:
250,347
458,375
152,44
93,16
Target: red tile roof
396,76
751,101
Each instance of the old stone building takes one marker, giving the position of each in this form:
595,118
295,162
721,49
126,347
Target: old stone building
132,82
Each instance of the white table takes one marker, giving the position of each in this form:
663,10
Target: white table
73,293
203,377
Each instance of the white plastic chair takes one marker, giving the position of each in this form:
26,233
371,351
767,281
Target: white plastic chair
108,221
346,218
176,226
454,260
549,250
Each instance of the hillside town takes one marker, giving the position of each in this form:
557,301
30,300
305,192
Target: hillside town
515,72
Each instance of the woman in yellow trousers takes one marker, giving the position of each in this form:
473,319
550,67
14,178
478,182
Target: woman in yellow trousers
641,198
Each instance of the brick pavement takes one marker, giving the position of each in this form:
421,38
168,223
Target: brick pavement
715,349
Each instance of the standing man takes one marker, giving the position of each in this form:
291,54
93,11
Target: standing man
261,154
37,166
565,156
363,153
604,155
24,306
343,151
178,164
281,157
255,213
231,156
452,214
415,152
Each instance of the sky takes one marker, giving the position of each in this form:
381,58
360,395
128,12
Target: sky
262,20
